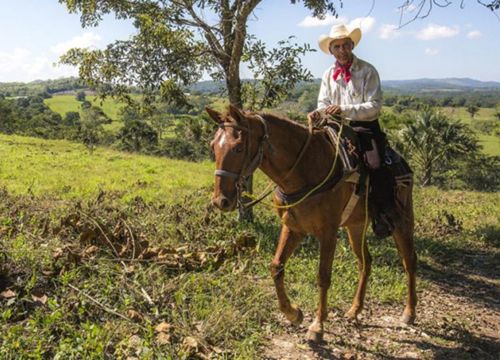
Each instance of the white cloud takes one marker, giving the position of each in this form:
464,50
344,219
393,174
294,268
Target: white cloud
24,65
310,21
474,34
433,31
431,51
9,61
85,40
389,31
365,23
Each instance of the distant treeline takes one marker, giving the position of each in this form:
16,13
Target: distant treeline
43,88
410,96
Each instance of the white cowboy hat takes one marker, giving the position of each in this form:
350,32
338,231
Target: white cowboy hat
338,32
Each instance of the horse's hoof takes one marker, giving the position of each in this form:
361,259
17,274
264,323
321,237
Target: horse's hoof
407,319
297,317
351,315
315,336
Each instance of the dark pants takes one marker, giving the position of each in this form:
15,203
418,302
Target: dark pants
382,183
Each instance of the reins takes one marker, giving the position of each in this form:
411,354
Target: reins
330,173
267,191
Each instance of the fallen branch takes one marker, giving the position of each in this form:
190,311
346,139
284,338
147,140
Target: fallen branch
104,307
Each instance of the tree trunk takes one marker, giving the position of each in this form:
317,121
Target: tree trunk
246,214
427,176
234,91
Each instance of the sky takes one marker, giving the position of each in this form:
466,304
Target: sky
450,42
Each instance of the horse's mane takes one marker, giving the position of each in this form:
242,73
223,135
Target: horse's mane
282,119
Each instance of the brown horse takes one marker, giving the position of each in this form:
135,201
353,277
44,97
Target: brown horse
246,141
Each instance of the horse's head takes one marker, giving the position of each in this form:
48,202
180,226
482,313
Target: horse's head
238,152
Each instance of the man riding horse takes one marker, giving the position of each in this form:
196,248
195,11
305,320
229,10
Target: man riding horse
351,88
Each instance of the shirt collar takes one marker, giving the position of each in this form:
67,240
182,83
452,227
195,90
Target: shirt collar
355,63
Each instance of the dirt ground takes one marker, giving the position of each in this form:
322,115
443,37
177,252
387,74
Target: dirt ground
458,317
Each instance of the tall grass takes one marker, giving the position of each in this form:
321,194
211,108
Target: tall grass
65,170
135,245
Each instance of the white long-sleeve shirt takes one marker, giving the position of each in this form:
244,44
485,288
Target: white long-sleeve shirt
360,99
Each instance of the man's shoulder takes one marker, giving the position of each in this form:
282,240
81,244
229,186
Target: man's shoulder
363,64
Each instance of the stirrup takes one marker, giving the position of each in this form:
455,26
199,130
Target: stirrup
382,226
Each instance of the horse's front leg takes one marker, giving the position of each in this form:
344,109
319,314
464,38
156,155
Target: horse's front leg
327,246
287,244
360,248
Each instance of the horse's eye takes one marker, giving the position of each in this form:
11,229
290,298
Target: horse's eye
238,149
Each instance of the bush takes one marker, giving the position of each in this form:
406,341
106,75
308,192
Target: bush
178,148
486,126
481,173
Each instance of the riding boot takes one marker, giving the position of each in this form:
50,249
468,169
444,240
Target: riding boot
384,212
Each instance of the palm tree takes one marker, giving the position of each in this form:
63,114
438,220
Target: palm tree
433,140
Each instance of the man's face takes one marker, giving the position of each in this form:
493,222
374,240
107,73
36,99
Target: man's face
342,50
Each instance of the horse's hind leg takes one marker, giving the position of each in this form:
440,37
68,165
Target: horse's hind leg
404,243
403,236
287,244
360,248
328,243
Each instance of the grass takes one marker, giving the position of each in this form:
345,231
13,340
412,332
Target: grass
65,170
119,244
63,104
490,142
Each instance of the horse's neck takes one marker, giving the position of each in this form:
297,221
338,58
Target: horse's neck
286,140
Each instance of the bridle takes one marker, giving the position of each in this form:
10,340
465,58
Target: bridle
249,166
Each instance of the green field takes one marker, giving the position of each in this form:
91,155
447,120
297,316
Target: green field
98,252
66,170
63,104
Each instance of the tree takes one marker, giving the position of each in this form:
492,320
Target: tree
160,122
91,126
71,118
472,110
80,96
136,134
433,140
166,54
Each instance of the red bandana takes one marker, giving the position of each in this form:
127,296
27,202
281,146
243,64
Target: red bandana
344,70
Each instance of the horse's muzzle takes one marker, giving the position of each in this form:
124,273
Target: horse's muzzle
223,203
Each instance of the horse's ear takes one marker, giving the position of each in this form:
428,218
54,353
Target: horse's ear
237,114
217,116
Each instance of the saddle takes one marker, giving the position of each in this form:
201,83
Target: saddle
351,155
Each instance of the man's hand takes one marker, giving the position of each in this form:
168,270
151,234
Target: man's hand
333,109
314,116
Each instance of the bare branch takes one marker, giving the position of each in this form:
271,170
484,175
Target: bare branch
208,31
424,8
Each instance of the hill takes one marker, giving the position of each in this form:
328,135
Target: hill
410,86
446,85
424,85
